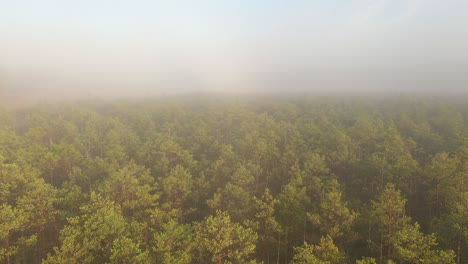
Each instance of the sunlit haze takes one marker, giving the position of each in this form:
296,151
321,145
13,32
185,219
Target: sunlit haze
138,48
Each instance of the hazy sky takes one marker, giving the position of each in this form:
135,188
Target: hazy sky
144,47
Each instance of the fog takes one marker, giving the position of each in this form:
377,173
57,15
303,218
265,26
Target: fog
75,49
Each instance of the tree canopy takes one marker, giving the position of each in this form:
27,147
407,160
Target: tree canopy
263,179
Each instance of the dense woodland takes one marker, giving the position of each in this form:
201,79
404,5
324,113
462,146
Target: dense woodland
236,180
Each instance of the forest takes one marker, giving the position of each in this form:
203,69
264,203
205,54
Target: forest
236,179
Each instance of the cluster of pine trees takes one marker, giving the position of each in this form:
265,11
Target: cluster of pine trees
236,180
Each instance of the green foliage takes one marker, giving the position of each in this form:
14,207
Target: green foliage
174,243
333,217
125,251
236,196
411,246
293,206
236,180
265,224
222,240
440,174
388,215
132,188
389,211
324,253
366,260
100,235
12,220
177,188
